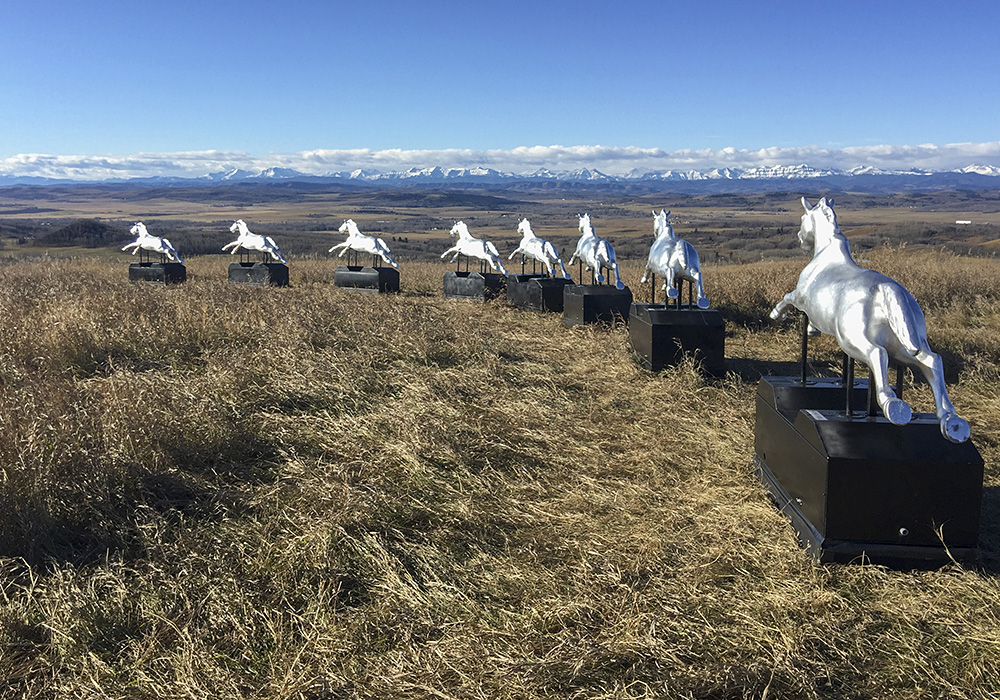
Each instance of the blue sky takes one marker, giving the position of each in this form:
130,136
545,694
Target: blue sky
254,79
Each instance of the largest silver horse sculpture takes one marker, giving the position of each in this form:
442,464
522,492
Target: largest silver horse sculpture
595,252
673,258
873,317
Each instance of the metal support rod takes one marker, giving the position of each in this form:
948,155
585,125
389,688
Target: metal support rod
522,265
652,288
804,361
849,385
899,380
872,395
679,286
580,271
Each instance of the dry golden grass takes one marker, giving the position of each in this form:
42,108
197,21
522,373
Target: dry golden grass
229,492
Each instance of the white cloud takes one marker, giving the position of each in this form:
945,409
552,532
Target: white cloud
521,160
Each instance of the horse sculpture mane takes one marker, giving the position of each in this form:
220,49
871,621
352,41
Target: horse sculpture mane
539,249
673,258
595,252
146,241
873,317
363,244
473,247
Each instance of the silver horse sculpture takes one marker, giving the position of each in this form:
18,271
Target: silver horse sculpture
474,248
873,317
363,244
673,258
147,241
253,241
539,249
595,252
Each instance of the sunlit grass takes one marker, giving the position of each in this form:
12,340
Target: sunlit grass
220,491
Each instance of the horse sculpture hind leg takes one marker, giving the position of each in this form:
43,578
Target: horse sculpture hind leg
929,363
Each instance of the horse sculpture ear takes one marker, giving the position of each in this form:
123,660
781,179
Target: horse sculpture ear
805,204
667,214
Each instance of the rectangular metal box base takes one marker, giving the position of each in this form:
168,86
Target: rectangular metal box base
863,488
595,303
368,280
259,273
662,336
474,286
536,292
157,273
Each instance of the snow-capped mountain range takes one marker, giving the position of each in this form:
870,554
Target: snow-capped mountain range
483,174
772,175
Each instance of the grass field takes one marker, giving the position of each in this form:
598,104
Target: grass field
211,491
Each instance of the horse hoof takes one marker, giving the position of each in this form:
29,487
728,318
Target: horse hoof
620,285
672,292
897,411
703,303
954,428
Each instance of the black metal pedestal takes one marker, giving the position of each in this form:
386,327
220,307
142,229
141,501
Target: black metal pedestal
157,273
367,280
536,292
259,273
860,487
595,303
663,335
474,286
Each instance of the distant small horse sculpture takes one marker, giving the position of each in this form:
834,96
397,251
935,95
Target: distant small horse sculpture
474,248
363,244
595,252
539,249
146,241
673,258
253,241
873,317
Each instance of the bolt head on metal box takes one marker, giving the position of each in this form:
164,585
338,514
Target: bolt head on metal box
368,280
595,303
536,292
474,286
157,273
899,495
259,273
663,335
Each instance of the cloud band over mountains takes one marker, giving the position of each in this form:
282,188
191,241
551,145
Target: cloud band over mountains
522,160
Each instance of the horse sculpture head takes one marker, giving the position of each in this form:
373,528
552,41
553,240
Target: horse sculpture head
238,225
138,229
524,228
460,230
585,225
819,225
661,223
350,227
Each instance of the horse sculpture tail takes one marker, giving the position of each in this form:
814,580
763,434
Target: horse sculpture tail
899,308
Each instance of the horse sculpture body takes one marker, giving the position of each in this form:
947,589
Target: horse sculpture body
595,252
363,244
474,248
873,317
145,240
673,258
538,249
253,241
